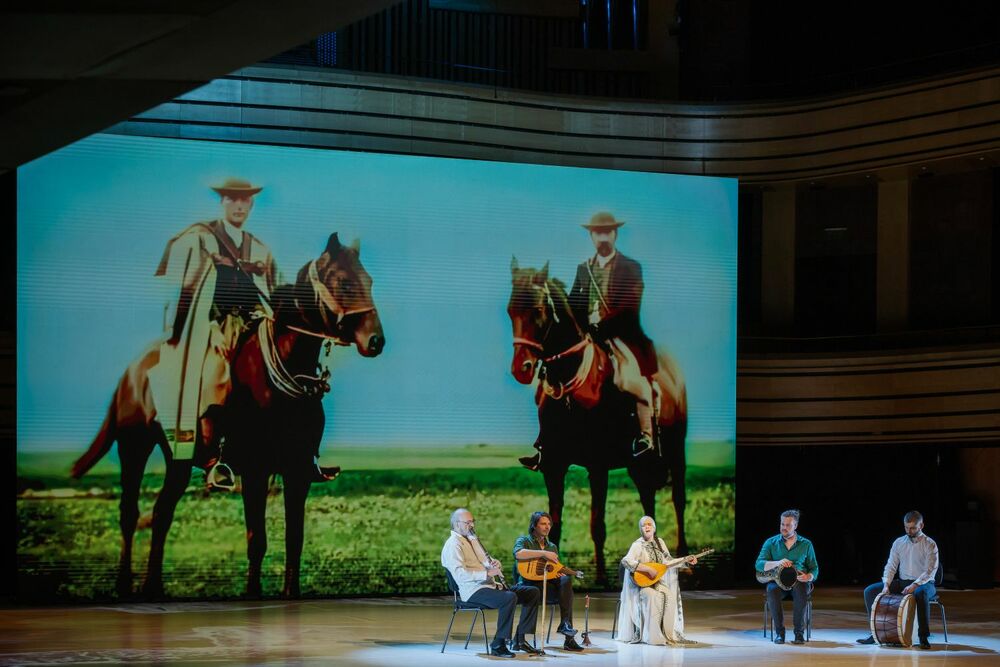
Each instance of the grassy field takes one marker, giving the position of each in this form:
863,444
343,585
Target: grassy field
376,530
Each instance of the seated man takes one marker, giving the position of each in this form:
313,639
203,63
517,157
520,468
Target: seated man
537,545
789,549
914,558
480,581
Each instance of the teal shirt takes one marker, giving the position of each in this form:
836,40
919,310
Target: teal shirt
801,554
528,542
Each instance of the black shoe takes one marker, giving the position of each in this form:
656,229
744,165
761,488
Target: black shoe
567,629
867,641
642,444
326,473
521,645
799,639
779,639
571,645
501,652
531,462
924,644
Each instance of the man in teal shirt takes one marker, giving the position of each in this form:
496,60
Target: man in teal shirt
789,549
536,544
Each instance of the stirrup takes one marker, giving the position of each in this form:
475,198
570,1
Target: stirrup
220,477
642,444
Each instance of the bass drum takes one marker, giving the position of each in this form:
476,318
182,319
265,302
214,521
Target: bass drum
892,619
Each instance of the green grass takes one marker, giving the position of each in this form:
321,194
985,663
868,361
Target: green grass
372,531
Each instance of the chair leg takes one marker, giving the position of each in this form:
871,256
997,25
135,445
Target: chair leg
809,620
614,625
944,622
471,628
767,616
486,639
548,634
448,631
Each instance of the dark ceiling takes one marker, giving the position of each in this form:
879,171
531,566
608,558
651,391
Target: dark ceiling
69,69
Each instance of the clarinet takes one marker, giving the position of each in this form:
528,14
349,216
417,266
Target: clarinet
498,580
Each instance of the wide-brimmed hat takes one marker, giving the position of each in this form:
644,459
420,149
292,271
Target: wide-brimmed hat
603,220
238,187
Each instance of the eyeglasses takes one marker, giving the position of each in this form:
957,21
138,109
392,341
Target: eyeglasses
468,522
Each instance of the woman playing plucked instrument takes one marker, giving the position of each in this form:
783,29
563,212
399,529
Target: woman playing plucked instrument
654,614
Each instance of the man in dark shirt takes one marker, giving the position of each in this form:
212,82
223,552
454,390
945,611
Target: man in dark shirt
789,549
606,298
537,545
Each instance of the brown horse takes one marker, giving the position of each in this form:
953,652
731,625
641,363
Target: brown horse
272,422
583,418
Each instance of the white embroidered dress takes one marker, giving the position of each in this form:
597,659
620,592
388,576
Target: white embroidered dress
651,615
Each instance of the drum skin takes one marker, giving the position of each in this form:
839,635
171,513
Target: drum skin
892,619
787,578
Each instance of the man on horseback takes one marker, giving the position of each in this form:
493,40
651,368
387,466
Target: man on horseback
605,298
225,276
607,294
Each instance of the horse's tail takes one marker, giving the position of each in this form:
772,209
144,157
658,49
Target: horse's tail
101,444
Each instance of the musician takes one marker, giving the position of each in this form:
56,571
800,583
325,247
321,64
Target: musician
474,572
651,614
536,544
789,549
910,570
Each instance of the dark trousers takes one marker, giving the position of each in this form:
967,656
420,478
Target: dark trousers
504,602
559,589
799,593
922,596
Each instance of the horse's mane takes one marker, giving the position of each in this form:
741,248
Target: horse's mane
557,288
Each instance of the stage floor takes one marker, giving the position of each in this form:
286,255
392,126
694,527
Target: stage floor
408,632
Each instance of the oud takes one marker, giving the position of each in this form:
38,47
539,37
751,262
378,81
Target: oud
537,569
643,580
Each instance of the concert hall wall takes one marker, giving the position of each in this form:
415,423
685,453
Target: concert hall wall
434,422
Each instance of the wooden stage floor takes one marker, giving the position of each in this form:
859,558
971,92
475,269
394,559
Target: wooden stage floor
407,632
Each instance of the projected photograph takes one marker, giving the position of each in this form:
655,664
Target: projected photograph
263,371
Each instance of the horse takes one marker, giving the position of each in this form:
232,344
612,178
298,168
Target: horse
272,422
583,418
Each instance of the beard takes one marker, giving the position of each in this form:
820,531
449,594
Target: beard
604,248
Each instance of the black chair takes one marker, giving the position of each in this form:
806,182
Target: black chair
549,602
936,601
787,595
478,609
618,604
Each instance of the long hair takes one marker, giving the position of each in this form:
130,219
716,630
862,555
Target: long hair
535,518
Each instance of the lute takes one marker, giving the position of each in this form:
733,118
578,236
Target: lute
643,580
537,569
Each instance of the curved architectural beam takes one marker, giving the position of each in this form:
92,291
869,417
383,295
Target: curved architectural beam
787,141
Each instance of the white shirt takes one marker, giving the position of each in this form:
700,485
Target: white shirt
603,261
915,560
464,558
233,232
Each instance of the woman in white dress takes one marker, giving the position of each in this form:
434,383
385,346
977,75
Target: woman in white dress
651,615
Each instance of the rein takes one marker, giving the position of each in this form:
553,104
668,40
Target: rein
302,385
585,346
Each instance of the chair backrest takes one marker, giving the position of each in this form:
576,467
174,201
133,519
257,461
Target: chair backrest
452,584
939,575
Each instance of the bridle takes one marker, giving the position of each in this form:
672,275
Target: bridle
584,345
301,385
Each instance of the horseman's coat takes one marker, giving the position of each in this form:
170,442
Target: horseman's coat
193,371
